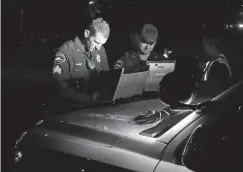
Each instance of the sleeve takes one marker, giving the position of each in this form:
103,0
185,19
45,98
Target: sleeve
158,56
161,57
105,64
61,74
60,67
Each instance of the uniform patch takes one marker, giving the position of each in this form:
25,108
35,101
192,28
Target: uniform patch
60,58
57,69
98,58
118,64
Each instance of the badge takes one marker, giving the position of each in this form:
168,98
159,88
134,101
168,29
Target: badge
98,58
60,58
57,69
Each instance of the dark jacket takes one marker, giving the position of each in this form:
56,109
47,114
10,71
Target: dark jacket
130,61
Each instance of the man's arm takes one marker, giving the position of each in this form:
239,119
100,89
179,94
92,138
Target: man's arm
105,64
155,56
61,74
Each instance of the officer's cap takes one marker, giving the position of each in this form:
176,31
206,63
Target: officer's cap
149,33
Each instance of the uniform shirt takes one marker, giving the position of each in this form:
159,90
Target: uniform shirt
71,71
131,61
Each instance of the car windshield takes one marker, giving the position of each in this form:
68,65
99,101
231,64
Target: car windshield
232,95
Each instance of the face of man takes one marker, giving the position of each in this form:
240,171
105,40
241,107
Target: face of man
148,39
146,48
94,42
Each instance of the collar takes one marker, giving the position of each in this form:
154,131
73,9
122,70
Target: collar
79,44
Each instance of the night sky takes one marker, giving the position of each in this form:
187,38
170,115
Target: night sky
45,17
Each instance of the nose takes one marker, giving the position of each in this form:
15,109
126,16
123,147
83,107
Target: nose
147,46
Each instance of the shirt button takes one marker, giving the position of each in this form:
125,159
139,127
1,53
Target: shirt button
78,49
75,70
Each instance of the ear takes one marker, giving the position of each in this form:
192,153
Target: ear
86,33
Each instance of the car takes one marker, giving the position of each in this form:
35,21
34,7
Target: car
216,144
144,135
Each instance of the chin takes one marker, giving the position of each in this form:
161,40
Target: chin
91,49
146,53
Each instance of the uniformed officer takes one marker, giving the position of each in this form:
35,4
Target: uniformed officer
142,49
78,61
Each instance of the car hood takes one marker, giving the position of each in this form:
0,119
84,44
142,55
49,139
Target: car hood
103,126
100,134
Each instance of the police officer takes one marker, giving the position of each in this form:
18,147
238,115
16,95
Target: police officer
78,61
142,49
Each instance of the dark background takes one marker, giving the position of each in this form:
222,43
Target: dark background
27,53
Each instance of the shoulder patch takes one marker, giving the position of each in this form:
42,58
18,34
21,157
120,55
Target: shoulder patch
59,58
57,69
133,54
118,64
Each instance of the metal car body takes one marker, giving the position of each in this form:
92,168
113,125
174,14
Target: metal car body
138,136
212,144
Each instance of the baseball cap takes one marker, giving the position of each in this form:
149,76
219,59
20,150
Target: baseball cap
149,33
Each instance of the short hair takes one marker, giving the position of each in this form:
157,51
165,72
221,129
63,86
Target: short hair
99,25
